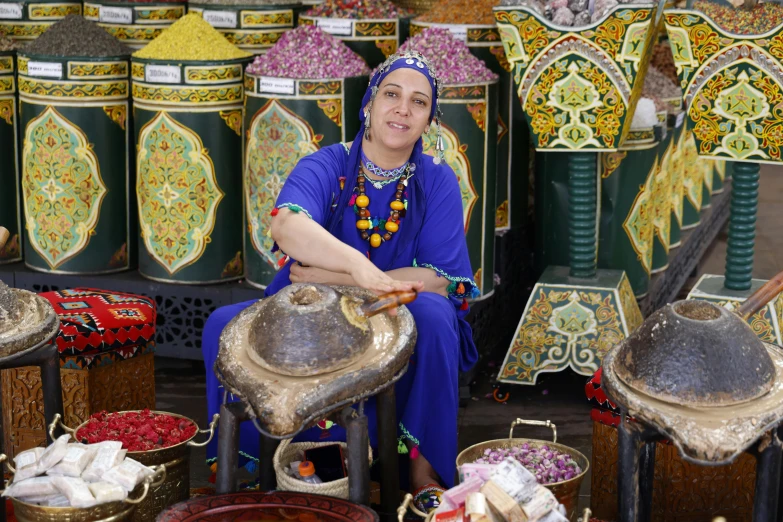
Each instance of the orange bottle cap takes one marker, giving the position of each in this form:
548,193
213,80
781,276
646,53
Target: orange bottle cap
306,468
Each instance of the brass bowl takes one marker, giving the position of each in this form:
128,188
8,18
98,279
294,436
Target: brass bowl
567,491
108,512
176,459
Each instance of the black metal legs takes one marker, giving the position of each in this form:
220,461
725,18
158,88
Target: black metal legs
266,467
765,500
358,440
646,479
231,415
387,449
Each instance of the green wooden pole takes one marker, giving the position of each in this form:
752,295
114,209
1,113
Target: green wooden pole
742,226
582,213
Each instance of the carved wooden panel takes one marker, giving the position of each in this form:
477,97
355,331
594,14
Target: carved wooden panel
125,385
683,492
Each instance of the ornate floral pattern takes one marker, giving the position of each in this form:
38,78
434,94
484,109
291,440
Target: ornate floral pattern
7,111
479,113
188,95
233,119
213,74
662,202
694,174
277,139
333,108
267,19
54,11
62,187
49,89
638,225
177,191
117,114
97,69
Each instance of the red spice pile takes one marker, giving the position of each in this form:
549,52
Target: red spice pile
138,431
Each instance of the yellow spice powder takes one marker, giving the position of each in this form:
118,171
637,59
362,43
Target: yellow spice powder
191,38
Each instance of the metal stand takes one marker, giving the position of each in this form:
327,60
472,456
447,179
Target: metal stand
742,226
636,473
358,441
47,358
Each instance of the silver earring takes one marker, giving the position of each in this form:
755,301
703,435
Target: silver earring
367,126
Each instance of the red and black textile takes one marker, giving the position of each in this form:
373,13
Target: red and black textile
605,411
95,321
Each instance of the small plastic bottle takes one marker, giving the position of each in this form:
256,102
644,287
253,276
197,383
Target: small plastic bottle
307,473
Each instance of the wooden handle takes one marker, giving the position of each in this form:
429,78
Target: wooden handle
761,297
4,235
388,301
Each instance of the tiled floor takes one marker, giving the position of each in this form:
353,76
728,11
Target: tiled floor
557,397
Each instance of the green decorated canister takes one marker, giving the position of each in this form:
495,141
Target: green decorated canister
693,182
719,169
188,120
662,202
708,171
285,120
134,23
28,19
469,128
75,182
551,211
627,209
677,129
252,28
372,39
513,149
10,204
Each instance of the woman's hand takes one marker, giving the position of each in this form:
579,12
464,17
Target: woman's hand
370,277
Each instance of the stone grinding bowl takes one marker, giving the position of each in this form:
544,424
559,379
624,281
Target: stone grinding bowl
698,374
27,321
310,348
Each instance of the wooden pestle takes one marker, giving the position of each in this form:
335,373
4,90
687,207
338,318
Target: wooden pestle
761,297
4,235
388,301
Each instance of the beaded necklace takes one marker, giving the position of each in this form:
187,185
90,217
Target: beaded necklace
372,168
364,220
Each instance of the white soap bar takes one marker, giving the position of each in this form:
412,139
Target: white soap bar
76,490
53,454
543,502
108,455
75,460
129,474
513,478
33,487
107,492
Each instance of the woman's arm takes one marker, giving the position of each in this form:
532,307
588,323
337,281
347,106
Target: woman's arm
430,280
309,243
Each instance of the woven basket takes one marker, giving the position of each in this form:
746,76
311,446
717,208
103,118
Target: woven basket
287,452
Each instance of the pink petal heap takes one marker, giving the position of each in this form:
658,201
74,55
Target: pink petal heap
451,58
309,53
359,9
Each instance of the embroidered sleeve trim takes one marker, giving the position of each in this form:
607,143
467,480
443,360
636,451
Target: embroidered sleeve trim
402,448
345,146
462,287
293,207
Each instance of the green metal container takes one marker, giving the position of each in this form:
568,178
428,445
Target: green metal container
27,19
10,205
372,39
469,126
551,211
287,119
188,121
708,171
719,169
662,202
252,28
693,182
136,24
626,227
75,181
676,166
515,154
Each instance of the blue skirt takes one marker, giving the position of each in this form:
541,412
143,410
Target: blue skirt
427,395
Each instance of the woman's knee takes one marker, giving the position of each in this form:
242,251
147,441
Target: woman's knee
430,306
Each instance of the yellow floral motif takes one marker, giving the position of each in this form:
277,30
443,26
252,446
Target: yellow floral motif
21,63
92,11
7,111
633,316
483,35
6,84
137,71
177,191
267,19
501,215
376,29
388,47
477,279
479,113
500,53
315,88
6,64
252,39
638,225
117,114
167,14
610,161
233,119
19,31
188,95
132,34
94,69
61,186
213,74
49,11
333,108
43,88
662,202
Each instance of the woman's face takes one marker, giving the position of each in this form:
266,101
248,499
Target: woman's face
401,110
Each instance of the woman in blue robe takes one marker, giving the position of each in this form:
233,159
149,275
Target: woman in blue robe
379,214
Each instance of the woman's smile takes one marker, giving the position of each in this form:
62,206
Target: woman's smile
398,127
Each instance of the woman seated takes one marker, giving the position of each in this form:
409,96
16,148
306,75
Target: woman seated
379,214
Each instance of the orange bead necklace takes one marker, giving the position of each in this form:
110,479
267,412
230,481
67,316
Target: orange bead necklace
364,220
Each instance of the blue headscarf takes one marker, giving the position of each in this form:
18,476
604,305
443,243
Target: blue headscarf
404,60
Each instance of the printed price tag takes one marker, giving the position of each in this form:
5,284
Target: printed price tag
224,19
162,74
680,118
460,32
116,15
45,69
336,26
10,11
276,85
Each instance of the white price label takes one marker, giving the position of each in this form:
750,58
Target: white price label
276,85
116,15
162,74
338,26
680,118
45,69
459,32
10,11
224,19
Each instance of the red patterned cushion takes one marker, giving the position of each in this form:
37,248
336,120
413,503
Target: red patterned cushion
96,321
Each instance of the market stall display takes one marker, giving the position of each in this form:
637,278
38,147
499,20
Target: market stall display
10,202
28,19
373,29
469,127
188,100
304,94
73,97
251,25
135,23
